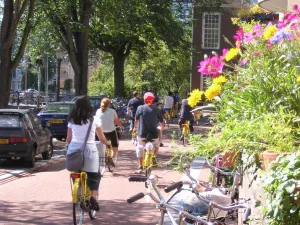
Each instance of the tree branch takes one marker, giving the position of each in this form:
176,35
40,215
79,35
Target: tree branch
27,29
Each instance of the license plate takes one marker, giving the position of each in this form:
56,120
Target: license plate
3,141
56,121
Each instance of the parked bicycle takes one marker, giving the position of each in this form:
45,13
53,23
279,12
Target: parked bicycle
80,197
165,207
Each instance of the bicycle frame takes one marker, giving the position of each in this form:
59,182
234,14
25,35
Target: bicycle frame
148,153
79,178
186,128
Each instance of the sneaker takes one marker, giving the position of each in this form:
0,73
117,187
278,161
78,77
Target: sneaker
94,204
140,170
154,161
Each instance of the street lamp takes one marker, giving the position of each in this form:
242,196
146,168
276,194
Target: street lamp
60,53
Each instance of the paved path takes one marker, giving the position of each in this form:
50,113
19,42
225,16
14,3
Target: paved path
44,197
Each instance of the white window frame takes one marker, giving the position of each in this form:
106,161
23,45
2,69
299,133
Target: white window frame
204,29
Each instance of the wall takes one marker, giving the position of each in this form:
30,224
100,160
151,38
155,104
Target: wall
227,30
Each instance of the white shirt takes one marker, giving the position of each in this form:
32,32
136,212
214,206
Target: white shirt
107,119
169,101
79,131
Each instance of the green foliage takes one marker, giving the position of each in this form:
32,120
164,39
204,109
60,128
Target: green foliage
162,70
101,80
68,85
282,186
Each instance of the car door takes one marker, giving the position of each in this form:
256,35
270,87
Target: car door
42,134
30,128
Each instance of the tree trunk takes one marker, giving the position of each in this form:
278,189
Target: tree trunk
119,61
5,84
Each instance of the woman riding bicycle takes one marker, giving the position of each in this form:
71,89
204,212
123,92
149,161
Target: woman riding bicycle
79,120
108,117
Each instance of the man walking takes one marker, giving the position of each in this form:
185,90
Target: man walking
132,106
146,119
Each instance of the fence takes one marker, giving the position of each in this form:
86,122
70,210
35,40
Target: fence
19,98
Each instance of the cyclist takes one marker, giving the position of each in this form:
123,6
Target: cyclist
146,119
186,115
79,120
176,103
108,118
169,102
132,106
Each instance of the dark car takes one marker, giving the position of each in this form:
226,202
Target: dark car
23,136
56,113
95,101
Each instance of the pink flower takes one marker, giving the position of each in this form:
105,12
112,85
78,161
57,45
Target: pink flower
239,35
224,52
256,32
257,54
212,66
244,61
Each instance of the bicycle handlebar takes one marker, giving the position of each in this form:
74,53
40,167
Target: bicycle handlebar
221,171
136,197
137,178
174,186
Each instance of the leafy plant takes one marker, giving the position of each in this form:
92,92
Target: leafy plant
282,186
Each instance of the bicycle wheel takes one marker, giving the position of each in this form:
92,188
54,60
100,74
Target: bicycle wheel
78,213
92,213
111,165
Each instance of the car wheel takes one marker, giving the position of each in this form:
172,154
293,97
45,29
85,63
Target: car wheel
30,161
48,154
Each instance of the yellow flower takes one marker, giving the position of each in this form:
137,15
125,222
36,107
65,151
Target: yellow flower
298,79
231,54
220,80
270,32
195,97
213,91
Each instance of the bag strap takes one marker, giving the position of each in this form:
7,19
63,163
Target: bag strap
88,133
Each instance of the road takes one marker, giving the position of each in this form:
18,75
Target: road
43,196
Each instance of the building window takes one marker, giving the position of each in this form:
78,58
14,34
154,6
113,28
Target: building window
211,24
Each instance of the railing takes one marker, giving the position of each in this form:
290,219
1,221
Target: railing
22,98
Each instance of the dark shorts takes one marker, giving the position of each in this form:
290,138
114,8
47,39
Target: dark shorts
93,180
113,138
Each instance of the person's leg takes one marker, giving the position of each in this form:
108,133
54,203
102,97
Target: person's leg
93,182
192,126
131,125
159,131
114,143
139,152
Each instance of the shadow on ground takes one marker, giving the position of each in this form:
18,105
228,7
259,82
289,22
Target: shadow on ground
40,213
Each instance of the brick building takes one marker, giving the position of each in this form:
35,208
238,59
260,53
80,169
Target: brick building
209,29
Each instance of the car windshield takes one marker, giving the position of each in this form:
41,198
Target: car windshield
58,108
9,121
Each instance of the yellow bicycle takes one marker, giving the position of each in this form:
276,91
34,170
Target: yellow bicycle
185,131
80,197
168,118
148,156
109,162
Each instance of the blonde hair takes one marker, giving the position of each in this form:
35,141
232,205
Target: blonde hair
104,104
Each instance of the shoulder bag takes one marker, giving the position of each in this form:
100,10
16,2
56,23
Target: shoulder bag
75,160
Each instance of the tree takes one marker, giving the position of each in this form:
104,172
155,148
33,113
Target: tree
120,26
17,22
71,19
68,85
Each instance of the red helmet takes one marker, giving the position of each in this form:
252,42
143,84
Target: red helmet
148,97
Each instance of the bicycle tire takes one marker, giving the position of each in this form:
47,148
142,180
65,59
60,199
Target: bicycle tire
77,208
111,165
92,213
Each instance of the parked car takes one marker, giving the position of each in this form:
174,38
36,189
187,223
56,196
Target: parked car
22,135
56,113
95,101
